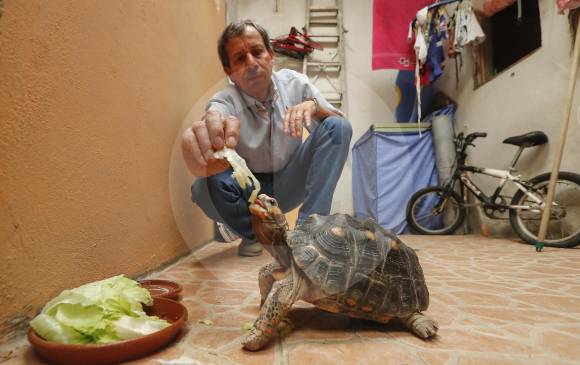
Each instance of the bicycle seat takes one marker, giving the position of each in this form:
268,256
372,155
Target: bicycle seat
530,139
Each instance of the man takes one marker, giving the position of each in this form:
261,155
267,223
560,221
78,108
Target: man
262,115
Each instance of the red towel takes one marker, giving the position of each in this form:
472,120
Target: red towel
391,19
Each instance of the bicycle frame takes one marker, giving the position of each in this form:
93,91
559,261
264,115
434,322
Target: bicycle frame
442,209
490,201
460,173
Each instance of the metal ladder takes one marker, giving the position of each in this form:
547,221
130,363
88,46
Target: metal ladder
326,68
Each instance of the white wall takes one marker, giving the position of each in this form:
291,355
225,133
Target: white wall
290,12
528,96
371,95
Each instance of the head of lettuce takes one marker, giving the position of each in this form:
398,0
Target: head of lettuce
100,312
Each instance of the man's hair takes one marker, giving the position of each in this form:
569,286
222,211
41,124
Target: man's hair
234,30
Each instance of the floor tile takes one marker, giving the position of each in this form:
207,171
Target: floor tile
497,301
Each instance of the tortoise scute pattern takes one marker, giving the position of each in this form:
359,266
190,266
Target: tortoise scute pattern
365,267
341,265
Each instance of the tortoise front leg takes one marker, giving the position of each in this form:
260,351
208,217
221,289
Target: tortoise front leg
266,276
275,308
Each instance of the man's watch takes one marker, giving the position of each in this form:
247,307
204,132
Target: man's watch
315,104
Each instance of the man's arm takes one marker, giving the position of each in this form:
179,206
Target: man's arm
199,143
301,115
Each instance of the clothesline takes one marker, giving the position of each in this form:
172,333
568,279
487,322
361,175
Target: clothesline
430,28
441,3
434,6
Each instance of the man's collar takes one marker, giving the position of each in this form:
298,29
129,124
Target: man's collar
270,98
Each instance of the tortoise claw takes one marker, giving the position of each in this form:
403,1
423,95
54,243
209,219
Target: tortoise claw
422,326
255,341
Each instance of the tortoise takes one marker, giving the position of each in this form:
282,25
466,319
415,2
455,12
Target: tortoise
340,265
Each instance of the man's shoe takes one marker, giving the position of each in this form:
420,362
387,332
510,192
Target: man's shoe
249,248
223,234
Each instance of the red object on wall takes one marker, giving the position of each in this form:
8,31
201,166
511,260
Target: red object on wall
490,7
391,20
295,44
567,4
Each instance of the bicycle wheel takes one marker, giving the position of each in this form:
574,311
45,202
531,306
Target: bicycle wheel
564,226
434,211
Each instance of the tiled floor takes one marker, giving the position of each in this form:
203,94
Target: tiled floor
497,301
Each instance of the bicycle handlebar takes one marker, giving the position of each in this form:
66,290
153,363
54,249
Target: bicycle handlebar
463,141
471,137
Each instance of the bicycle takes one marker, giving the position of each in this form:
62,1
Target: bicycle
441,210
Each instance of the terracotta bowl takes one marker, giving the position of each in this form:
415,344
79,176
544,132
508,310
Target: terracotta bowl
162,288
56,353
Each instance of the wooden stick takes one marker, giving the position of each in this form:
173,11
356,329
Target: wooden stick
563,132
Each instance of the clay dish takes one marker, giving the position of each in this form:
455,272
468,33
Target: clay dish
162,288
62,354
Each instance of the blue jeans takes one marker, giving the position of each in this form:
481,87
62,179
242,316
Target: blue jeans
309,178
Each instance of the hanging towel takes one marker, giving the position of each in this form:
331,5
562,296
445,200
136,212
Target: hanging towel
391,19
421,47
406,110
467,28
436,54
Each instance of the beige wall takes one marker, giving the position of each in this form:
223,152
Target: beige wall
92,97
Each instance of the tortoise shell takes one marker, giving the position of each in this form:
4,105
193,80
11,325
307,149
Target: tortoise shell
363,266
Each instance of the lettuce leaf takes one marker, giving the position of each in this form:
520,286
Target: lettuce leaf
131,327
100,312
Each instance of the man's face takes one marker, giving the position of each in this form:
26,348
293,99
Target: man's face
250,63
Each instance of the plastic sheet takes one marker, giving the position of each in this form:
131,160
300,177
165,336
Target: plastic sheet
443,135
389,165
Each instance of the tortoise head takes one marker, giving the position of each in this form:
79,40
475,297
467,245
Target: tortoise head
268,221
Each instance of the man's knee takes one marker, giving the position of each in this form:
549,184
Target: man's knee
211,194
219,185
223,187
339,128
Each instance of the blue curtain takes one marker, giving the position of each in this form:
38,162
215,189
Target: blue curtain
388,168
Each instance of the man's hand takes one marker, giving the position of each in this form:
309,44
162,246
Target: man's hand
297,116
199,143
